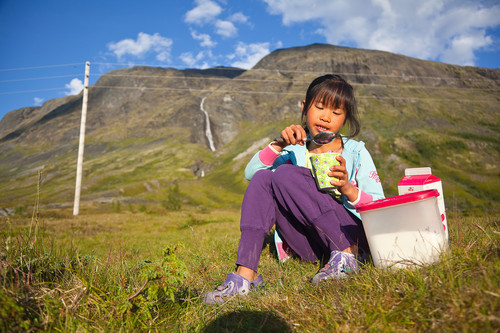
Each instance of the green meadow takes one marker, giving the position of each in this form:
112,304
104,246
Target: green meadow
140,267
159,215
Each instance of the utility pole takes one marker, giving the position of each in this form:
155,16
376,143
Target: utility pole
76,206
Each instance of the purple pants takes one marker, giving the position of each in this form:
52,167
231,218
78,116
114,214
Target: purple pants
311,222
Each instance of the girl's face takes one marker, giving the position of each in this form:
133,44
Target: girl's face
321,118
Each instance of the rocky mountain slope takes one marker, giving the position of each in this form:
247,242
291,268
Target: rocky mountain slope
147,128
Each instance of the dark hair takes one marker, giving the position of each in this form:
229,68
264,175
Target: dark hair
333,92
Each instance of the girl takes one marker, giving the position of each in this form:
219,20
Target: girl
283,192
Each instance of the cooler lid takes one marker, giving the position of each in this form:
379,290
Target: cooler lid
398,200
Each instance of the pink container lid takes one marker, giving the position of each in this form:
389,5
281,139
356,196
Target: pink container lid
398,200
418,180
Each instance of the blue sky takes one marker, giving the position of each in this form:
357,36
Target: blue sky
44,44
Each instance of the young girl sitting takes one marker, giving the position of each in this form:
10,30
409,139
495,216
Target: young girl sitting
282,192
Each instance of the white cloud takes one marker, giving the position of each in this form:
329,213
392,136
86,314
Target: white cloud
189,59
226,28
38,101
198,61
247,55
461,49
205,11
444,30
206,40
75,87
144,44
238,18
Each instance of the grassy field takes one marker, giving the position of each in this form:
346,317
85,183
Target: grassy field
131,269
158,222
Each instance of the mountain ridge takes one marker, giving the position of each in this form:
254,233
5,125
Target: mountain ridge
145,124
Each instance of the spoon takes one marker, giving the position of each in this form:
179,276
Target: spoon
322,138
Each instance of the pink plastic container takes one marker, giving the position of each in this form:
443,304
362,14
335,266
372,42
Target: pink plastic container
405,230
421,179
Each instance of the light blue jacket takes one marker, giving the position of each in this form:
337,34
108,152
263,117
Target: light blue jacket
359,165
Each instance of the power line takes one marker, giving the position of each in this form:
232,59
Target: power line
231,80
307,82
135,65
273,80
143,88
287,71
267,92
235,80
192,78
202,90
29,91
39,67
39,78
239,79
403,76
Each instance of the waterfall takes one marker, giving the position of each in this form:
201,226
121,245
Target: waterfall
208,131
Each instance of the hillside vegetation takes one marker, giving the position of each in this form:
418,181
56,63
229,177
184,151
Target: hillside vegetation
158,224
146,132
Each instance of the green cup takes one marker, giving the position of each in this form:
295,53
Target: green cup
321,164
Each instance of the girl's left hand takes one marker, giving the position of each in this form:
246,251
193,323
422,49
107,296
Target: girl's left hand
343,185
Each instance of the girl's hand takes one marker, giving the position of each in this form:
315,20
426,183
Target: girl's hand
293,135
343,185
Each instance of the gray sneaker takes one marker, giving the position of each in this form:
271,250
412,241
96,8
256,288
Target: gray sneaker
235,285
338,267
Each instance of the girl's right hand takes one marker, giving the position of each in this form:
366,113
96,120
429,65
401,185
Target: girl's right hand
293,135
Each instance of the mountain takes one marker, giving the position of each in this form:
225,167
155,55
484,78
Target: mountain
147,130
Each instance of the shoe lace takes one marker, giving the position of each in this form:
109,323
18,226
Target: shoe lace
222,287
325,268
345,269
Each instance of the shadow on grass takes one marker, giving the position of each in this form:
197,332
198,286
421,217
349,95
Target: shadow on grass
248,321
192,222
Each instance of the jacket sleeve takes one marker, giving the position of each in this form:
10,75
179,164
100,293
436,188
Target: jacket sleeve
366,179
263,159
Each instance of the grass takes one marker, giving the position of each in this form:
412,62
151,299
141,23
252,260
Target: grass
106,270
